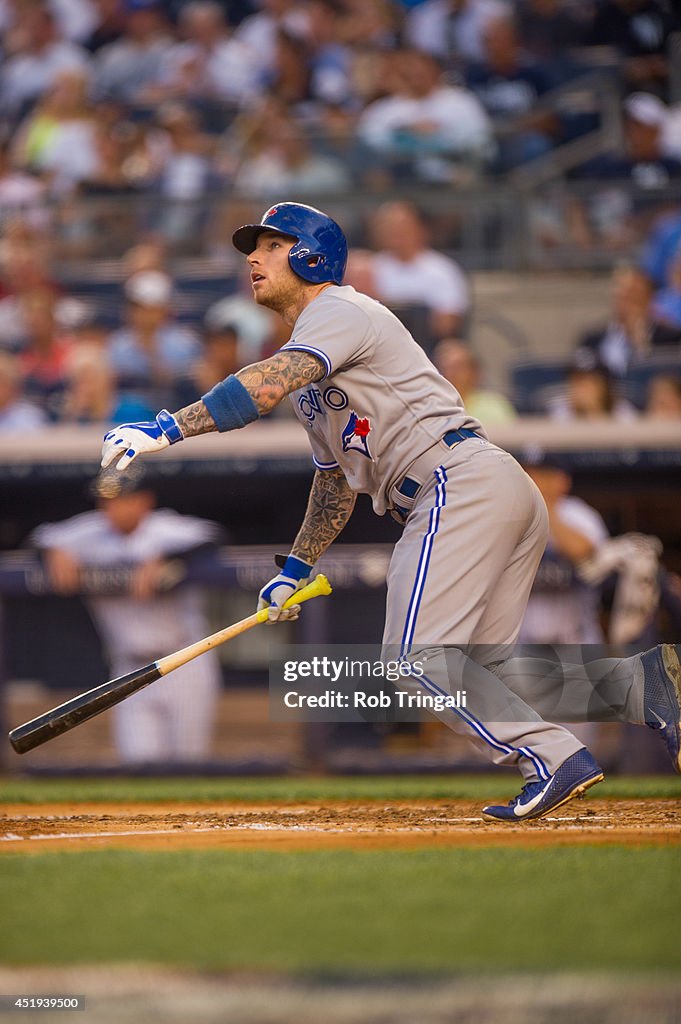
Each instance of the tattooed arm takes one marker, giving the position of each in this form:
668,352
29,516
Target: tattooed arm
267,382
329,507
238,400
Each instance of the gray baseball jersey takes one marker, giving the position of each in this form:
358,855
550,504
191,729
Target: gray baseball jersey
382,403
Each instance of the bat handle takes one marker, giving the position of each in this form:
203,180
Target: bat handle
318,587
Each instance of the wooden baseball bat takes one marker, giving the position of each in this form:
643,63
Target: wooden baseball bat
86,705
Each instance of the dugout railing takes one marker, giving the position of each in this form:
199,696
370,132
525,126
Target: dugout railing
485,225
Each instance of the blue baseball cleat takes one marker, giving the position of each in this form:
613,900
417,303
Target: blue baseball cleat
662,696
573,778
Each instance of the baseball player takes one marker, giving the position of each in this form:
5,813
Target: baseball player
171,722
381,420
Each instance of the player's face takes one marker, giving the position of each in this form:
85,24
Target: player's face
274,283
127,511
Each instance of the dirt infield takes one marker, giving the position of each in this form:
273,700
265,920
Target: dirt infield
328,825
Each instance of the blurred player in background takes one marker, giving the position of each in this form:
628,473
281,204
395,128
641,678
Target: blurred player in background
171,722
562,608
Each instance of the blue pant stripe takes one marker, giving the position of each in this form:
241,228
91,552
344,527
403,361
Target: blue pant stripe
542,770
487,736
469,719
424,558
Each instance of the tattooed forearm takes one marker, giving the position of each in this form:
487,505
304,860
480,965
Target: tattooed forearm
329,507
267,383
195,419
272,379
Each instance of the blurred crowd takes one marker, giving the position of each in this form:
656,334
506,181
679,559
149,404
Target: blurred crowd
162,110
175,97
60,361
65,359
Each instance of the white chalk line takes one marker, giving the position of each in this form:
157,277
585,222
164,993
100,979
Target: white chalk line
253,826
594,817
12,837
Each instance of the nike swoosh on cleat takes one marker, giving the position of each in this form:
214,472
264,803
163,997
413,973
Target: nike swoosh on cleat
521,809
663,724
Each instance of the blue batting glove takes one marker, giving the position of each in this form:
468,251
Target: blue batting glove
294,575
133,439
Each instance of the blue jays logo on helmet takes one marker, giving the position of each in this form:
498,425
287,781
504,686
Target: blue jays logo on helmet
320,253
355,434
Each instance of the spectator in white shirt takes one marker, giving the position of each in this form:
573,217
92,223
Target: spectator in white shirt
285,163
424,122
34,66
77,19
407,271
126,69
209,63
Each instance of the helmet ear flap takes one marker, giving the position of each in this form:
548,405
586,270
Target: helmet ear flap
307,263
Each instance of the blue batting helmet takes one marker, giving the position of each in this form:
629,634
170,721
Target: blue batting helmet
321,251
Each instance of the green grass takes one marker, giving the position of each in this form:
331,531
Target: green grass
404,913
426,787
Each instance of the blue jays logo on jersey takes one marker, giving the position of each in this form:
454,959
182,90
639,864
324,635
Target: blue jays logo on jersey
355,434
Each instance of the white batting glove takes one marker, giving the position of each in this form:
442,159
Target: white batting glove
133,439
293,576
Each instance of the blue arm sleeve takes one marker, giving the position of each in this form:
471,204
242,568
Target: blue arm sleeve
230,405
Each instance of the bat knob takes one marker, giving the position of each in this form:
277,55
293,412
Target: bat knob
323,584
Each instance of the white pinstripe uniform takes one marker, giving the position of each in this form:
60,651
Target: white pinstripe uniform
170,720
475,525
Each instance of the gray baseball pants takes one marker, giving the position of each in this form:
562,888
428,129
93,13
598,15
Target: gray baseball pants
461,575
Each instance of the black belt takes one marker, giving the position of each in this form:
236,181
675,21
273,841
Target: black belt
410,487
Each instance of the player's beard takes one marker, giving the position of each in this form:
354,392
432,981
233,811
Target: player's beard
282,297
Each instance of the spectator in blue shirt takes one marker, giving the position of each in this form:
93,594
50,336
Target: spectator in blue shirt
660,248
667,302
151,355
